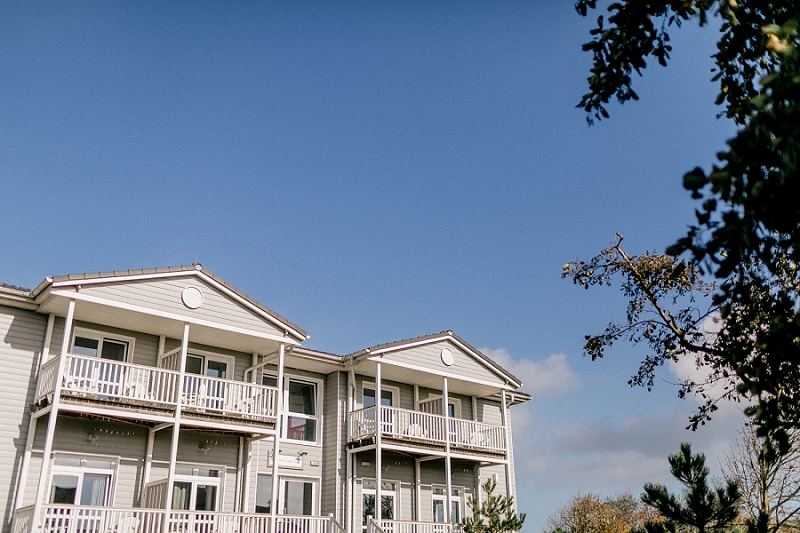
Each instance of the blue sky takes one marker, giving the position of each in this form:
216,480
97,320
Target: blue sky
372,171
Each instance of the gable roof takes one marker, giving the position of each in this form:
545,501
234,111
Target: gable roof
145,273
435,337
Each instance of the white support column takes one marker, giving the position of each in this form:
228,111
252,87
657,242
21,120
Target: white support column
276,450
44,474
176,428
474,409
349,507
237,501
22,477
504,405
148,458
348,498
447,461
248,469
162,342
417,495
378,449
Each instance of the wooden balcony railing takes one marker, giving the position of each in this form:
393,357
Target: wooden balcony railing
426,427
407,526
80,519
103,379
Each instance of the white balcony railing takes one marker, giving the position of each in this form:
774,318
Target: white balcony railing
75,519
426,427
104,379
407,526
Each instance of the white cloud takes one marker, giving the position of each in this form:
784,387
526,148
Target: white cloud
549,376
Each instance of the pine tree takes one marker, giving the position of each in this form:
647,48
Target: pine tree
495,515
701,507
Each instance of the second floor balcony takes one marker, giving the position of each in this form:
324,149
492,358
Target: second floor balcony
120,385
426,429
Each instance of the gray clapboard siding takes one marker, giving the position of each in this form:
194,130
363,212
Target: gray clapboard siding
489,412
428,357
21,341
165,295
333,463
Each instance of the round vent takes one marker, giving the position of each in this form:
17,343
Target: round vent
192,297
447,357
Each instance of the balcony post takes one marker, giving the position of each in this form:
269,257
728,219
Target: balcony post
378,449
22,478
447,461
44,474
507,444
176,428
277,440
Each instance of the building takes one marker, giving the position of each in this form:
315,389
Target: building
160,400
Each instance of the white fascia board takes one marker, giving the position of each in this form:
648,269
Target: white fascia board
171,316
183,273
409,345
449,375
252,307
479,357
15,300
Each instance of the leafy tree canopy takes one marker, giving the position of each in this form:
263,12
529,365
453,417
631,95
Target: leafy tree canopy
592,514
748,219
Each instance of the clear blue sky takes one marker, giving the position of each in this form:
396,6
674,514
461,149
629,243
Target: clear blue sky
372,171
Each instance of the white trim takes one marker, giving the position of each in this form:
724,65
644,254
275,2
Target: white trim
444,374
178,318
479,358
316,500
182,273
112,473
215,356
371,385
96,334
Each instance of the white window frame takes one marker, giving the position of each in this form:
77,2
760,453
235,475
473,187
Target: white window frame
458,499
384,492
315,499
371,386
101,336
213,356
319,391
194,478
84,469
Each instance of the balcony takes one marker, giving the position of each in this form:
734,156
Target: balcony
124,385
75,519
407,526
427,429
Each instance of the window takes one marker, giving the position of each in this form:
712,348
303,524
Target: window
212,395
81,481
440,504
298,497
195,489
96,344
389,395
264,494
301,418
388,500
300,407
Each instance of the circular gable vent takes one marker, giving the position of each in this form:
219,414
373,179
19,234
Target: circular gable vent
447,357
192,297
